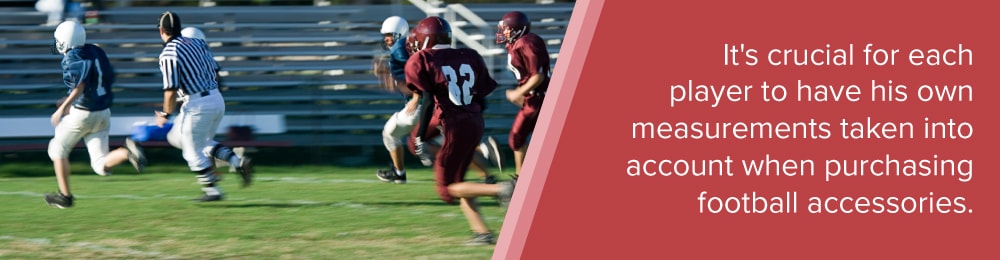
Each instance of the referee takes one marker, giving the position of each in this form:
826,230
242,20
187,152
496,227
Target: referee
191,74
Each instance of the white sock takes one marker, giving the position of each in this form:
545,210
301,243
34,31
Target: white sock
400,172
234,160
484,150
212,191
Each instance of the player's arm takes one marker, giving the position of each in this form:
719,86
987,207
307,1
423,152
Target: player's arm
76,71
536,78
218,78
530,54
426,112
417,81
64,107
411,105
169,104
168,66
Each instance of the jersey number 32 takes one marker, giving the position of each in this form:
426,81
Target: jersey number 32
460,91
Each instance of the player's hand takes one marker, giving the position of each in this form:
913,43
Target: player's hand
515,97
56,117
425,156
160,120
380,65
411,108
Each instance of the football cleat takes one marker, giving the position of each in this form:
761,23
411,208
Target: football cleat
136,155
209,198
506,192
423,153
389,175
245,169
492,152
385,175
58,200
490,179
481,239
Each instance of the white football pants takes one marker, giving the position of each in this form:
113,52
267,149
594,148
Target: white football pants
195,126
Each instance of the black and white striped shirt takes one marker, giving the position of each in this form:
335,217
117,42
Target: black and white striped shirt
188,65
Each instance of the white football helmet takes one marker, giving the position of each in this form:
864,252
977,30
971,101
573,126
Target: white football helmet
192,32
69,34
396,26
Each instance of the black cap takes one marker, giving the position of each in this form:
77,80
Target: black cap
170,23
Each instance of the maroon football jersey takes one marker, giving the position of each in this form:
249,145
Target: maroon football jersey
455,77
528,56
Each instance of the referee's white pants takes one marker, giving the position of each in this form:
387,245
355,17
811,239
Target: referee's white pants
92,127
195,126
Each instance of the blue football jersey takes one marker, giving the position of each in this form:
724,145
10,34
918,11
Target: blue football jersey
397,59
90,66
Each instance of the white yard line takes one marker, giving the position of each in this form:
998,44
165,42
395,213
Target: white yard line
251,200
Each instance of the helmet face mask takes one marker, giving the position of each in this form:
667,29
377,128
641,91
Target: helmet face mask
518,25
395,27
68,35
411,42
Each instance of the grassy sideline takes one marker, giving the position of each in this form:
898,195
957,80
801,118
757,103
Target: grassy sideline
290,212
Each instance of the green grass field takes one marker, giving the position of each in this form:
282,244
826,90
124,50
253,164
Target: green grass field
290,212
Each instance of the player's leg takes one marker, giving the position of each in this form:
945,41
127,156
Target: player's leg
67,134
243,164
482,235
461,137
175,135
453,158
399,125
491,152
101,160
524,125
135,154
194,142
96,140
480,165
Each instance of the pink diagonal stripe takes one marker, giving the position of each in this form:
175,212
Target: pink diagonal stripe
538,161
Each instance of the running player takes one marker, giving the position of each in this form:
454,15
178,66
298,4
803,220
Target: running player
395,31
528,59
85,113
456,81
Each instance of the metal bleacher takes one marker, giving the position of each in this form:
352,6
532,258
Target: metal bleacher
309,64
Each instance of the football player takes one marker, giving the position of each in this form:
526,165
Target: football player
528,59
85,113
395,31
456,82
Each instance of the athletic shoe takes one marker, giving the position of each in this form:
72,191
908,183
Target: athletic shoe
490,179
245,169
136,155
483,239
401,178
492,152
208,198
389,175
385,175
58,200
422,152
506,192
